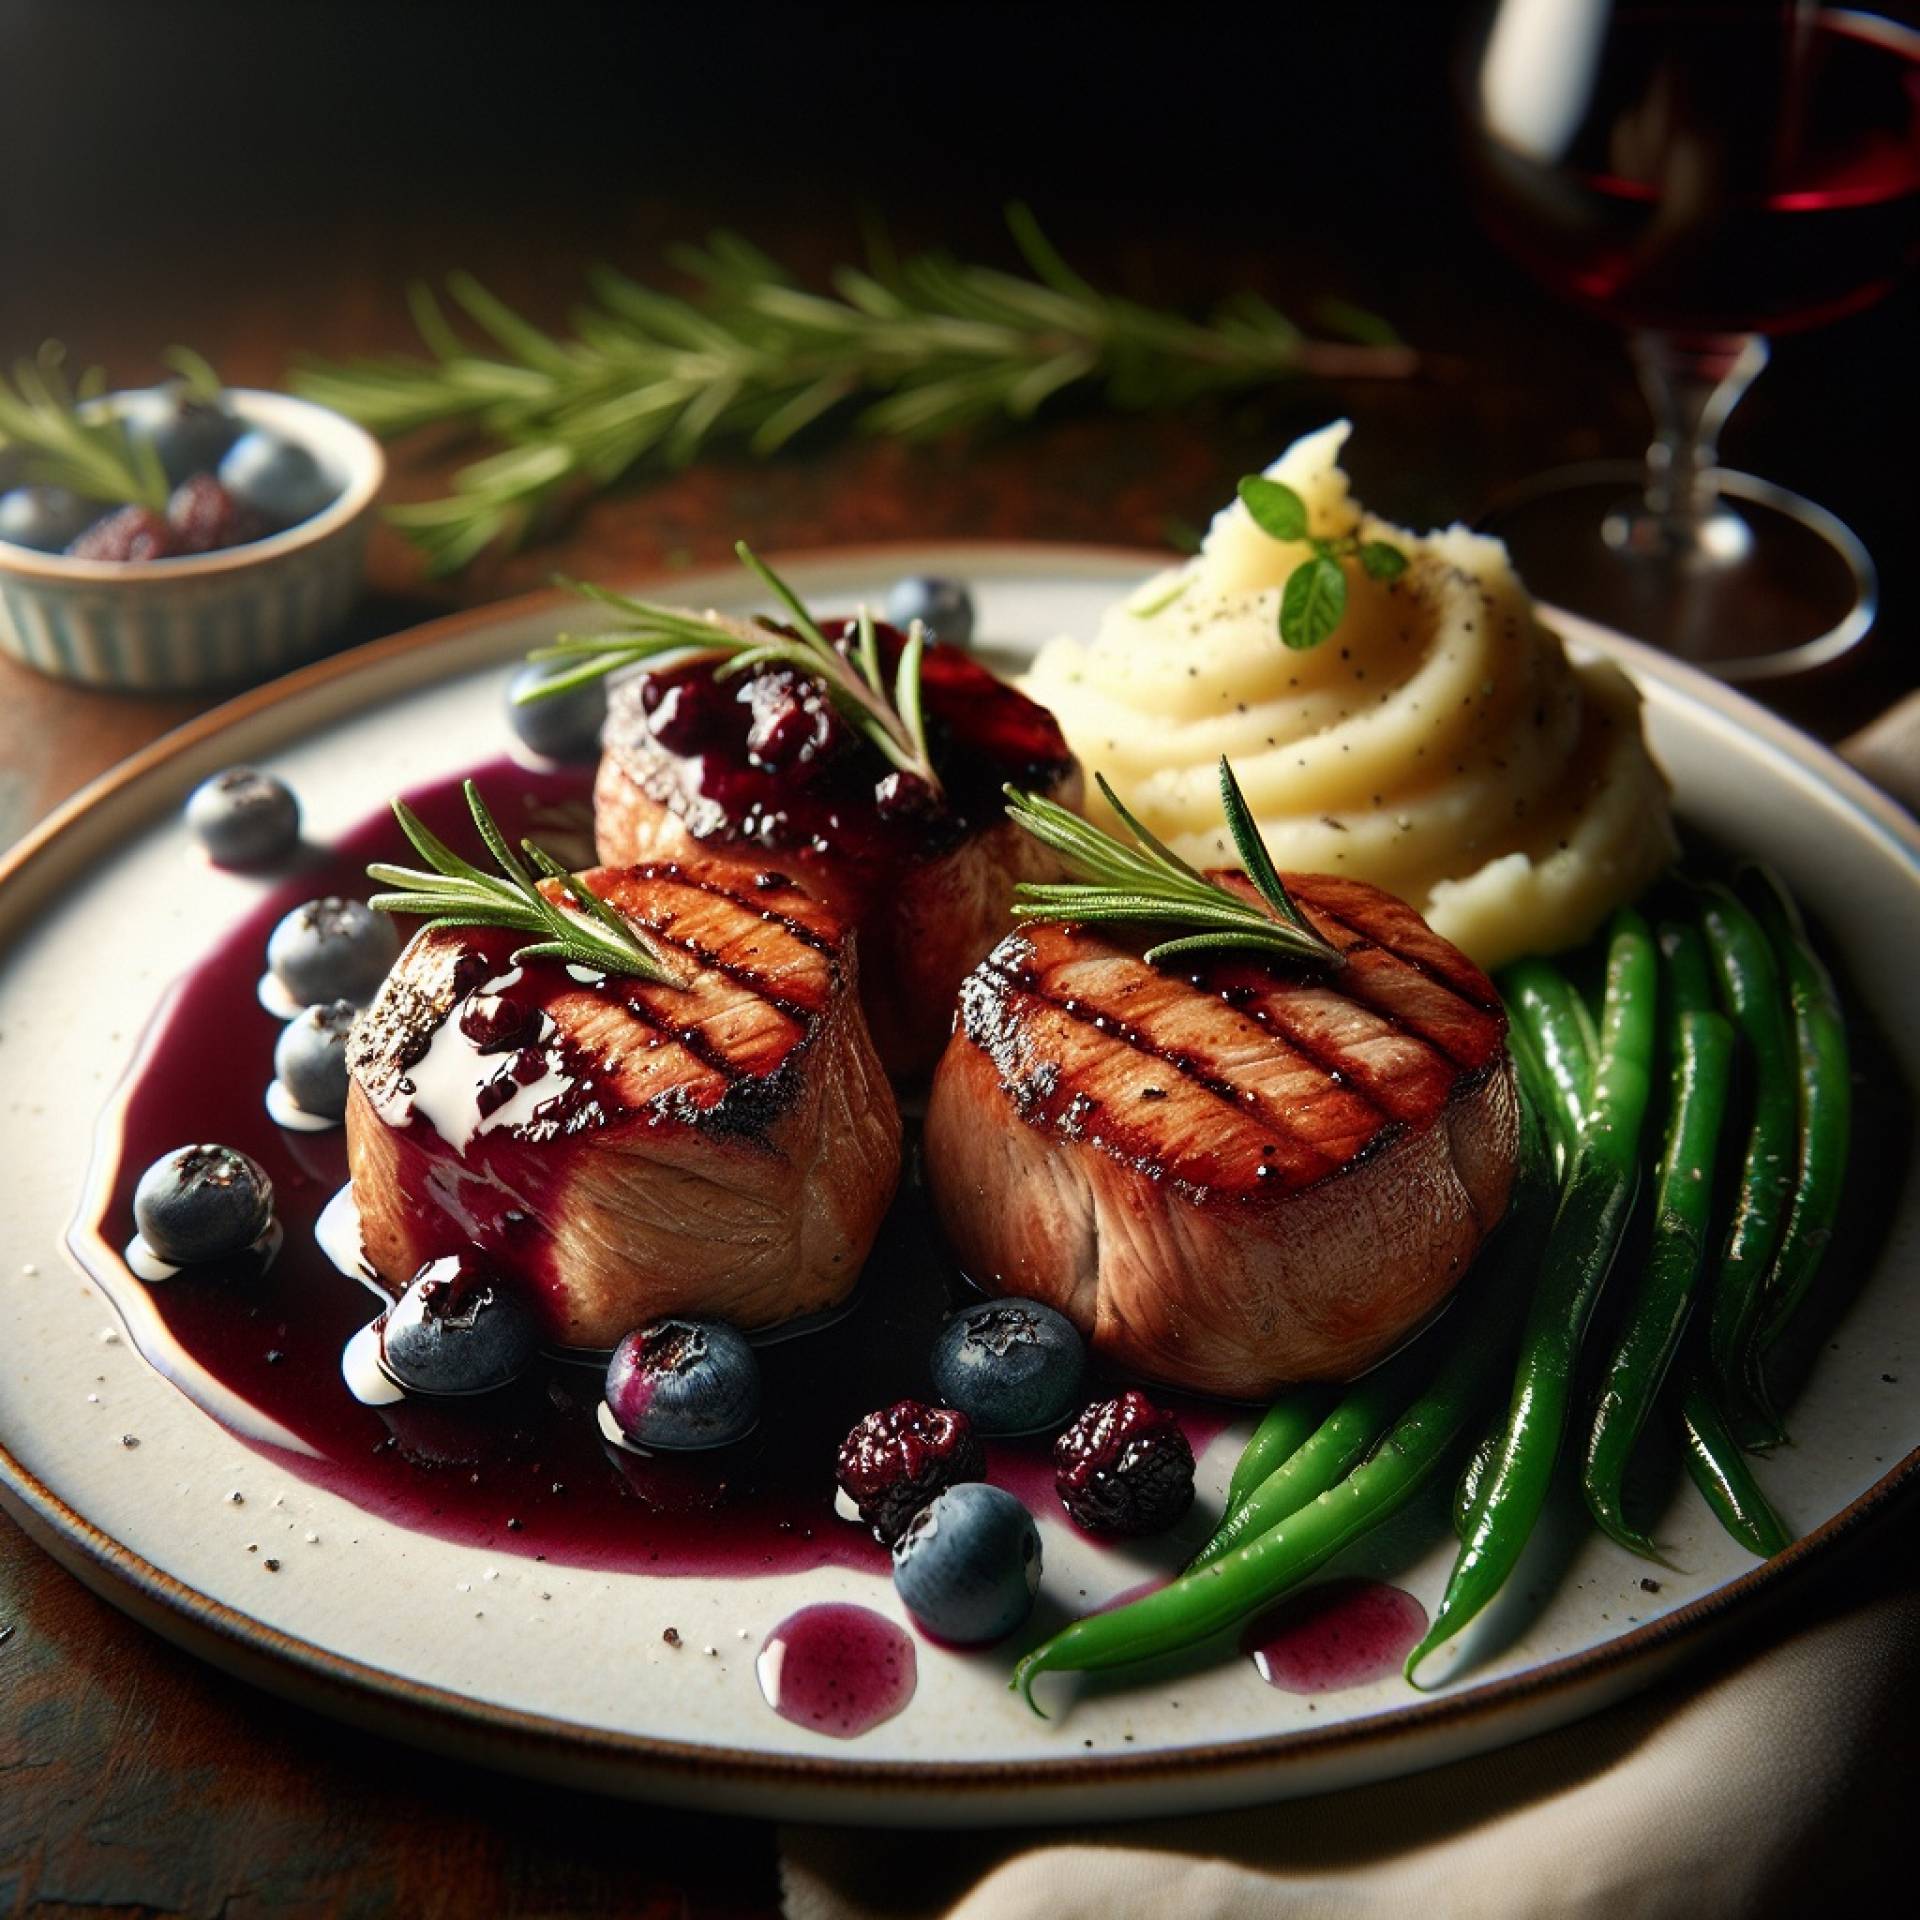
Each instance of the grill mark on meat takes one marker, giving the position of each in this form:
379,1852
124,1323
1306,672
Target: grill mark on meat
1366,940
1412,1084
694,1039
1309,1161
806,935
1337,1067
1174,1017
1374,969
802,1017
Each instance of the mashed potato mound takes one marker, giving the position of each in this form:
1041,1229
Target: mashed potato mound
1440,744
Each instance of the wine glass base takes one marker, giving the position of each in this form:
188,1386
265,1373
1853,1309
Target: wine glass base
1780,585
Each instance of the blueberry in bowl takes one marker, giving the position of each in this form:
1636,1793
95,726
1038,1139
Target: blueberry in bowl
332,949
457,1329
47,519
683,1384
244,818
310,1058
277,478
189,432
1124,1467
896,1459
968,1564
202,1203
1012,1366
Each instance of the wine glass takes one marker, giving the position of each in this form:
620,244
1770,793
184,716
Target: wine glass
1706,177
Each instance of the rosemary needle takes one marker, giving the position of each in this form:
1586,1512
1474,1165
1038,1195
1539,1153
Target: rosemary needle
1149,882
891,717
458,894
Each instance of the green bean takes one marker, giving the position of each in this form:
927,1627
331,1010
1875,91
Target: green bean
1701,1050
1285,1429
1596,1205
1751,993
1825,1104
1725,1479
1473,1476
1686,974
1543,1001
1253,1575
1357,1420
1537,1085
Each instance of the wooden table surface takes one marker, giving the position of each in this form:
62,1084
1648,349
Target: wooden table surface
133,1780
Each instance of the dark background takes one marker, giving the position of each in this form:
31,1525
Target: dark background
245,176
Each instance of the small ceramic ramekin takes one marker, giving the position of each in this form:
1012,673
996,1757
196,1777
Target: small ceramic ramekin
208,619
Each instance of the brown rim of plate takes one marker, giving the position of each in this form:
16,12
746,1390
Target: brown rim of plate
47,1519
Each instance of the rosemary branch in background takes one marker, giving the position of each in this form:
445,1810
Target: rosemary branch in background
753,357
457,894
1150,882
889,716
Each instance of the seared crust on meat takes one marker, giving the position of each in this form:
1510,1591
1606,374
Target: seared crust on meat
1236,1177
629,1149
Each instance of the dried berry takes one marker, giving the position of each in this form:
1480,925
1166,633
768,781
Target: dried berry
896,1460
1124,1466
204,517
134,533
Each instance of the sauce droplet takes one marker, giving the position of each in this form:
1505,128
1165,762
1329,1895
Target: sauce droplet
1342,1633
836,1669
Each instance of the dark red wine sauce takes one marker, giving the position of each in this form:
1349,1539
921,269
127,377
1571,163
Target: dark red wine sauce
1342,1633
526,1470
836,1669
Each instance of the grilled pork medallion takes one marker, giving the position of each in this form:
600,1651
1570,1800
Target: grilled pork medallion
625,1149
760,769
1234,1174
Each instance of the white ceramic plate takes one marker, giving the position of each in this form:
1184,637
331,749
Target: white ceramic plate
105,905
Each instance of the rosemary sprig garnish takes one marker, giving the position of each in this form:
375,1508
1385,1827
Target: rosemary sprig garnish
932,343
1150,882
891,717
458,894
74,441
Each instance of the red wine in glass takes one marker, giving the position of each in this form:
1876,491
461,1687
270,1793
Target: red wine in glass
1704,176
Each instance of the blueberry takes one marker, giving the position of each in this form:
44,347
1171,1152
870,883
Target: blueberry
457,1329
48,519
564,727
244,818
188,434
684,1384
332,949
310,1058
1011,1366
202,1203
968,1564
943,607
279,480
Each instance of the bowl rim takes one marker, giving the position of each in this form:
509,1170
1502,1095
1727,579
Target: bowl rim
367,471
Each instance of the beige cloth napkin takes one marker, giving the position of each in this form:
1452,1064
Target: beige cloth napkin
1779,1779
1785,1784
1888,750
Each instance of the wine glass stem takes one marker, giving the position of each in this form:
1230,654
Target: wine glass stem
1692,385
